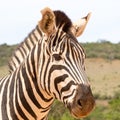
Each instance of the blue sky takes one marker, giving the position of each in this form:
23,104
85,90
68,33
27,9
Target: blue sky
19,17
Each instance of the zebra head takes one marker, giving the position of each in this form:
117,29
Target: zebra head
62,62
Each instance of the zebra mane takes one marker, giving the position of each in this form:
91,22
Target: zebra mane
23,50
63,19
30,41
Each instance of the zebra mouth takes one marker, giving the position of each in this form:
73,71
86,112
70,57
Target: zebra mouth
77,114
80,111
82,104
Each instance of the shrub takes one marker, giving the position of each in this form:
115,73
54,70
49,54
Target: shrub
5,53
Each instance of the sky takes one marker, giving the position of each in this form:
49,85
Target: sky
19,17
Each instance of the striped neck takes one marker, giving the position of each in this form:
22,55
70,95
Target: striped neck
38,102
24,49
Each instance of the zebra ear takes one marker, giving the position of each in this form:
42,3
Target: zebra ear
78,27
47,23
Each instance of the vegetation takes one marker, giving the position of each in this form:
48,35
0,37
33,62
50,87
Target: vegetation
103,49
105,81
5,53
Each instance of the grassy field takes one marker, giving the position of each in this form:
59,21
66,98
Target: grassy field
104,76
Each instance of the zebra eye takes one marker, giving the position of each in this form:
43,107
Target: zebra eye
57,57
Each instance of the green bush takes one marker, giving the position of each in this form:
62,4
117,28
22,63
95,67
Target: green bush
105,50
5,53
113,112
59,112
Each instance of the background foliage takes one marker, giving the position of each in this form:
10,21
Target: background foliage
101,49
5,53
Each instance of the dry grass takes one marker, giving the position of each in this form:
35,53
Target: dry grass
104,76
3,71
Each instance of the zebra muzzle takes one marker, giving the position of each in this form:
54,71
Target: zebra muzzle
83,102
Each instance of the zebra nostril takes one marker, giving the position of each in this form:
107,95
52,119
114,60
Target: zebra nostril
79,103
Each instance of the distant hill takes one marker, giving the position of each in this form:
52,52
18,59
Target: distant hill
102,49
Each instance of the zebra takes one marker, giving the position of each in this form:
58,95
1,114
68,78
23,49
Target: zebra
48,65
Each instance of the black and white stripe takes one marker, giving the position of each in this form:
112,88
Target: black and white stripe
24,49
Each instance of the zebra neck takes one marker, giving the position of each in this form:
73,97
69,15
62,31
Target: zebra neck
24,49
33,97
